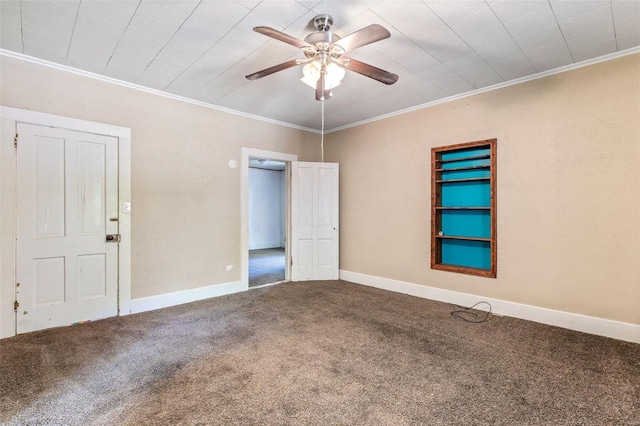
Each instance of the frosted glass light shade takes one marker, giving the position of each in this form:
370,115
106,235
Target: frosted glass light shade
311,73
333,77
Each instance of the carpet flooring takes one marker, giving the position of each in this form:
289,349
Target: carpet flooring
266,266
316,353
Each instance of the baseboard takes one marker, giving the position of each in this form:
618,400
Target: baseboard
7,330
260,246
185,296
578,322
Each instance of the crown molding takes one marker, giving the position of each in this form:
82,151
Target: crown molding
76,71
498,86
566,68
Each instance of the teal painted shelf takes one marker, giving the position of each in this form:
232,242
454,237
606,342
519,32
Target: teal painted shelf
457,169
462,180
451,237
474,157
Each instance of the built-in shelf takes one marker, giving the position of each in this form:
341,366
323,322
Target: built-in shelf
463,213
462,208
450,237
457,169
474,157
462,180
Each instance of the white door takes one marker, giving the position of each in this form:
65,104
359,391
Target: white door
67,193
314,221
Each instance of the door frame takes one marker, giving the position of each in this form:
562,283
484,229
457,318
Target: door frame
9,117
244,208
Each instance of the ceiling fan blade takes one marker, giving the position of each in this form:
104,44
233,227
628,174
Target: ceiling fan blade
362,37
372,72
270,32
273,69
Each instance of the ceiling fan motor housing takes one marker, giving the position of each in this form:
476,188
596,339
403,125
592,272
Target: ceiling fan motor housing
321,37
322,40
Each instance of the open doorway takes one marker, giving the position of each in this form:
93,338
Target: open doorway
267,210
312,222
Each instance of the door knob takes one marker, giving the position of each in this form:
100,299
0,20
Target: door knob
113,238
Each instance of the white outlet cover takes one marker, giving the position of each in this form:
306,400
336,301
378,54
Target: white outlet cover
229,267
126,207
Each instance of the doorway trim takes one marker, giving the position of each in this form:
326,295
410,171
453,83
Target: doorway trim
9,118
244,207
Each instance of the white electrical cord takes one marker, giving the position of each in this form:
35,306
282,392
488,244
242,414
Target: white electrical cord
322,133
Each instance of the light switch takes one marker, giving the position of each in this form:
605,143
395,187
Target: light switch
126,207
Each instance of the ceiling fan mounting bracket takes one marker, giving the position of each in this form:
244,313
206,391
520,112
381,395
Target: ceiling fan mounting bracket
323,22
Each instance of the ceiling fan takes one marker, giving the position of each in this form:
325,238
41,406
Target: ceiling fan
324,63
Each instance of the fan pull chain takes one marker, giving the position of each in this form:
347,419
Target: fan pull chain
322,132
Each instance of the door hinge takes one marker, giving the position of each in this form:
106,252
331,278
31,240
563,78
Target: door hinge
15,141
16,305
291,263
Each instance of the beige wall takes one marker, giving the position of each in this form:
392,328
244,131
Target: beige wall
185,198
568,184
568,191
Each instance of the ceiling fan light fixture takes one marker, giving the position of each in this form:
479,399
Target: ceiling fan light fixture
324,63
333,75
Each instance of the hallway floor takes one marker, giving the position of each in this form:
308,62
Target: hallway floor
266,266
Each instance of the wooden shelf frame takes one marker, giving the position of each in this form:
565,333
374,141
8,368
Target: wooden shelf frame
437,184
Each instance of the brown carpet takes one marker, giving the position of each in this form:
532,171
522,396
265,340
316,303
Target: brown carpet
316,353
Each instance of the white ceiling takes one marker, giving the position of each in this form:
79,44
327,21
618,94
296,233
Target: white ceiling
202,50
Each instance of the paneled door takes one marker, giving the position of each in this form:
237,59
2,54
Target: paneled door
314,221
67,227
